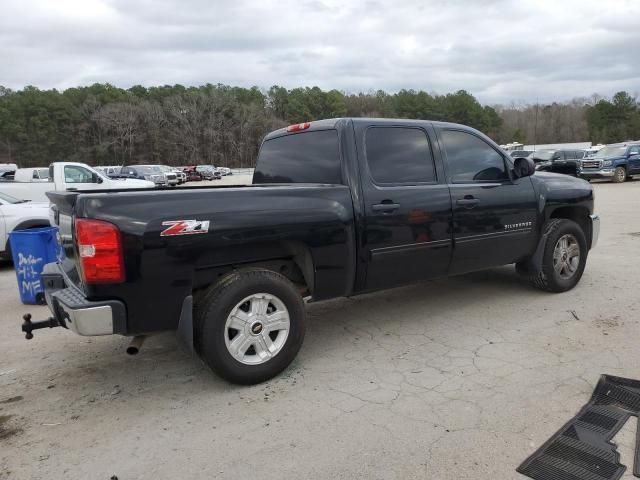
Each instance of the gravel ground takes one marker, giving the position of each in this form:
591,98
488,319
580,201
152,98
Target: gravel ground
460,378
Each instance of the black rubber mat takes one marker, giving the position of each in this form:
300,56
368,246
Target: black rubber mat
582,448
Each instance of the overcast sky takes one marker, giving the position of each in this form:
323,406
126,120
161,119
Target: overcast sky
500,51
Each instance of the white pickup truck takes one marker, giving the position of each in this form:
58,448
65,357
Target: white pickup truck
64,176
19,215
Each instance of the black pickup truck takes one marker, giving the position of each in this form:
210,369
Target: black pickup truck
337,208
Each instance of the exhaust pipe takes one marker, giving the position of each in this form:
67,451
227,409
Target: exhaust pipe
136,344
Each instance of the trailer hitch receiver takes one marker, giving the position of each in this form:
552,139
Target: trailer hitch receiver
28,326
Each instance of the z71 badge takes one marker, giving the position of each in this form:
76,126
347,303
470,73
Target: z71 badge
184,227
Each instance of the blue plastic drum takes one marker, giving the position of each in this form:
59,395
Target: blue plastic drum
31,250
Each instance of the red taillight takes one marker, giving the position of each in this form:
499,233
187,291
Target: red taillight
100,251
298,126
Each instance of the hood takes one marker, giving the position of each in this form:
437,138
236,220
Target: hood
563,188
27,209
28,205
613,158
131,183
561,180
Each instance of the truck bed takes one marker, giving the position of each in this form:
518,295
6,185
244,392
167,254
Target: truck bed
311,224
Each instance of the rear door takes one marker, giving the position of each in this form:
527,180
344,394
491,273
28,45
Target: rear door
407,205
493,216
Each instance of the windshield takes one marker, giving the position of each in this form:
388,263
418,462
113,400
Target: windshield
607,152
543,154
9,199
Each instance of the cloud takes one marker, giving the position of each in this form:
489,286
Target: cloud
498,50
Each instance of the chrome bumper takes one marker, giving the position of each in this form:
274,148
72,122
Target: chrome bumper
72,310
595,229
603,172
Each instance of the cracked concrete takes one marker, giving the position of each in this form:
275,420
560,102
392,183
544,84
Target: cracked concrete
452,379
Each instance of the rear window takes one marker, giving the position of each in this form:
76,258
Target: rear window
399,155
310,157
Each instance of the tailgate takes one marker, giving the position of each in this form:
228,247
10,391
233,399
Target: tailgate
61,212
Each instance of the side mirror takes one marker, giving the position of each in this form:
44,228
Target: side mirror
523,167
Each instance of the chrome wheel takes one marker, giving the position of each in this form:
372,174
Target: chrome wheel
257,328
566,256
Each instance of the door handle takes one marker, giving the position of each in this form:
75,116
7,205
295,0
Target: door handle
71,189
468,201
385,207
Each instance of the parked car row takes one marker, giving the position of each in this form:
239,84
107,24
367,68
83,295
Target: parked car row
164,175
618,162
63,176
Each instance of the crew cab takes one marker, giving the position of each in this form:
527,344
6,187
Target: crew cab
619,162
337,208
64,176
18,214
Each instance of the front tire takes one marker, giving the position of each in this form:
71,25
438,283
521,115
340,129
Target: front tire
250,325
619,175
564,257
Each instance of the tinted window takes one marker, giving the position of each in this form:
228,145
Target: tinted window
470,159
310,157
634,151
399,155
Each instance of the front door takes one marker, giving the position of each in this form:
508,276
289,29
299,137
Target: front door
494,215
77,177
634,159
407,205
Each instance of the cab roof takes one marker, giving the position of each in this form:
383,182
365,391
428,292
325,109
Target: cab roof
330,123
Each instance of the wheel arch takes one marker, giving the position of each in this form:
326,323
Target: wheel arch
576,213
31,223
292,259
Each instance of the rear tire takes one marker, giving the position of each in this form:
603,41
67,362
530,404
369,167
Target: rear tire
250,325
619,175
563,260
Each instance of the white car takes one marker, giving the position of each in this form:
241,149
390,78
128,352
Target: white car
170,174
18,214
182,177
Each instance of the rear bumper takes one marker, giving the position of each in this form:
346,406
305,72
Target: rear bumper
72,310
595,229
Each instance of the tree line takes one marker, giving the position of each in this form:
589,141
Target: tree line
223,125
